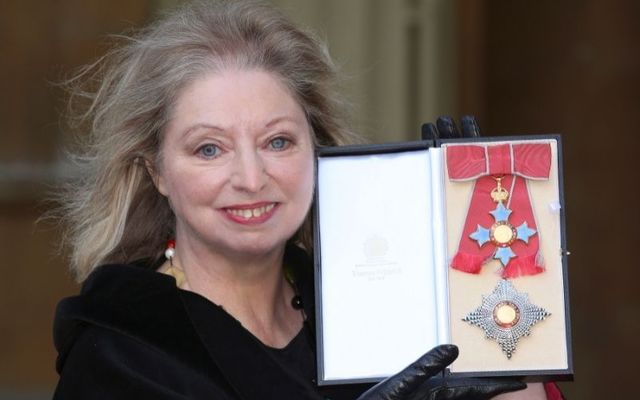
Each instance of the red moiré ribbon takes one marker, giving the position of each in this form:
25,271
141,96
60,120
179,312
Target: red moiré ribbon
515,163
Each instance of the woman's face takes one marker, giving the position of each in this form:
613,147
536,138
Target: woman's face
237,163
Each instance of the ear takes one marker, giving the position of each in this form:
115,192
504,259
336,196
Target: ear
156,177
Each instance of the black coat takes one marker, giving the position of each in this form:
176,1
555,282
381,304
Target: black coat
132,334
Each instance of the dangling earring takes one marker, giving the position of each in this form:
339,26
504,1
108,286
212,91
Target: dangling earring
170,251
174,270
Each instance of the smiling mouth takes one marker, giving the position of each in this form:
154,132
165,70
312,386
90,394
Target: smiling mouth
249,213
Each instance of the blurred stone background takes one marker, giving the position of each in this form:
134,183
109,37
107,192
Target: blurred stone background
522,67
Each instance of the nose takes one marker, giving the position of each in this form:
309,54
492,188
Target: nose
249,172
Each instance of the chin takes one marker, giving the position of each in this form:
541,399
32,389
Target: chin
257,248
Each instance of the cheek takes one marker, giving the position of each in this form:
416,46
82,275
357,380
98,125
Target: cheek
304,180
187,187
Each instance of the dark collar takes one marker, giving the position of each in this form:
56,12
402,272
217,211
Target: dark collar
148,306
239,355
134,301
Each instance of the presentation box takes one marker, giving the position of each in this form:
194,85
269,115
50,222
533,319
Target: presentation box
455,241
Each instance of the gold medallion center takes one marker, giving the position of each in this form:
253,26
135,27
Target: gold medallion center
503,234
506,314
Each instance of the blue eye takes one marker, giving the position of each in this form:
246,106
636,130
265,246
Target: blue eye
209,151
279,144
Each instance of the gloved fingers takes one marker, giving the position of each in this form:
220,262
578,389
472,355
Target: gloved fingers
429,131
431,363
469,126
475,388
447,128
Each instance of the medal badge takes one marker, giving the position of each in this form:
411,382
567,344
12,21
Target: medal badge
506,315
502,234
500,223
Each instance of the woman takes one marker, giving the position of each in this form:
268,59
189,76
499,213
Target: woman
202,131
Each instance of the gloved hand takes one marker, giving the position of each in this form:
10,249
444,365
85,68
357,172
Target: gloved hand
419,382
446,128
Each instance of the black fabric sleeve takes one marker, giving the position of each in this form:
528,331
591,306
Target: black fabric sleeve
105,364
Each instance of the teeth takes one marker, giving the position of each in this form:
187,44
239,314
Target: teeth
251,213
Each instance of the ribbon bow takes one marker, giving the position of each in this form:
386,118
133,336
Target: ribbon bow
506,232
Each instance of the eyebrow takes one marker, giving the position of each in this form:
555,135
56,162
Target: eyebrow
283,118
199,126
269,124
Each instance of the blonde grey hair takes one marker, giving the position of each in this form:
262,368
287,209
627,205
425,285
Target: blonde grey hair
113,212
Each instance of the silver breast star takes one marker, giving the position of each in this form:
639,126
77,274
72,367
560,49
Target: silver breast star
506,315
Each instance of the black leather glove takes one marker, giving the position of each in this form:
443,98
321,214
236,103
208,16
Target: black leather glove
446,128
419,382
